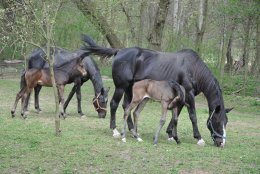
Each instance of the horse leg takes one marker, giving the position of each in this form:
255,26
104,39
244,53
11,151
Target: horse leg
127,101
175,122
61,100
136,114
193,118
78,92
72,92
126,115
37,90
117,96
172,123
25,96
26,100
18,96
162,121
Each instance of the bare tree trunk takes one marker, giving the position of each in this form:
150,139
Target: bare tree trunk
88,8
175,15
141,23
201,24
257,52
229,50
155,37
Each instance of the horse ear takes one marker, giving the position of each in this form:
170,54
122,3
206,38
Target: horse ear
228,110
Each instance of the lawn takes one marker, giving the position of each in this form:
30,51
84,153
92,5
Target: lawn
87,145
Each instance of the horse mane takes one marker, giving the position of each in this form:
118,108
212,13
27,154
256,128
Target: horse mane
206,82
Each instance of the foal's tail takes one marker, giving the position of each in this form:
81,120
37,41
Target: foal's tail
179,91
93,48
23,81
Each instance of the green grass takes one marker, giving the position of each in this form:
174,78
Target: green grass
87,145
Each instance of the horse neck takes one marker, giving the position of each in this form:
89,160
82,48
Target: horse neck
97,82
213,95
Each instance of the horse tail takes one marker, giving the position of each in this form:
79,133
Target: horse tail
93,48
23,81
179,91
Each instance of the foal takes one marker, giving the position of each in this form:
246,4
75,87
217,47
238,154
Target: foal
169,93
62,75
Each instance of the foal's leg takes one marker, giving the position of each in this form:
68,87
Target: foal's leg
175,122
18,96
37,90
117,96
172,123
162,121
61,99
127,112
136,114
126,103
193,118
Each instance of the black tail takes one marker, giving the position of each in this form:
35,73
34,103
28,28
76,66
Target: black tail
93,48
22,82
176,86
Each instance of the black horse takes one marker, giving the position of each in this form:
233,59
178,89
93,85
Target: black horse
36,60
185,67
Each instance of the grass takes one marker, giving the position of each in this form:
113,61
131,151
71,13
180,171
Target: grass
87,146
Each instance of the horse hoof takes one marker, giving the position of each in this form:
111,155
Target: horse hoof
83,116
124,140
170,139
13,114
201,142
26,112
139,139
116,134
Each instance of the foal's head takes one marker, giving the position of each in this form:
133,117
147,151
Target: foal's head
80,66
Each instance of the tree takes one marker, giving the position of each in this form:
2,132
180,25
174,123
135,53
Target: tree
88,8
155,37
201,24
38,18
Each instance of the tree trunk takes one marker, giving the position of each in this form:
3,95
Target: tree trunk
257,52
155,37
141,24
88,8
201,24
229,50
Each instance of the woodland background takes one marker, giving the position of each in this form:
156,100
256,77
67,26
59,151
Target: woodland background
226,33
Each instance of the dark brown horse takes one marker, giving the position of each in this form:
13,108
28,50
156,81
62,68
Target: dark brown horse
63,74
185,67
169,93
37,60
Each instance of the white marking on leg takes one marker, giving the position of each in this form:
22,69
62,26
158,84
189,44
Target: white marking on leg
170,139
116,134
224,135
201,142
124,140
139,139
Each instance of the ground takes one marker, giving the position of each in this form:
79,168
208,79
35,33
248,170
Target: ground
87,145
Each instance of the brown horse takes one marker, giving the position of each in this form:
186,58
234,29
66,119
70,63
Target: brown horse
63,74
169,93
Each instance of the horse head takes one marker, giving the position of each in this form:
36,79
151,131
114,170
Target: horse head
216,124
80,66
100,102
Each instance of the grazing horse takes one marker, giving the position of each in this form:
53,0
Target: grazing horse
166,92
63,74
185,67
36,60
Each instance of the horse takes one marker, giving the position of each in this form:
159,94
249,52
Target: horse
169,93
185,67
62,74
36,60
